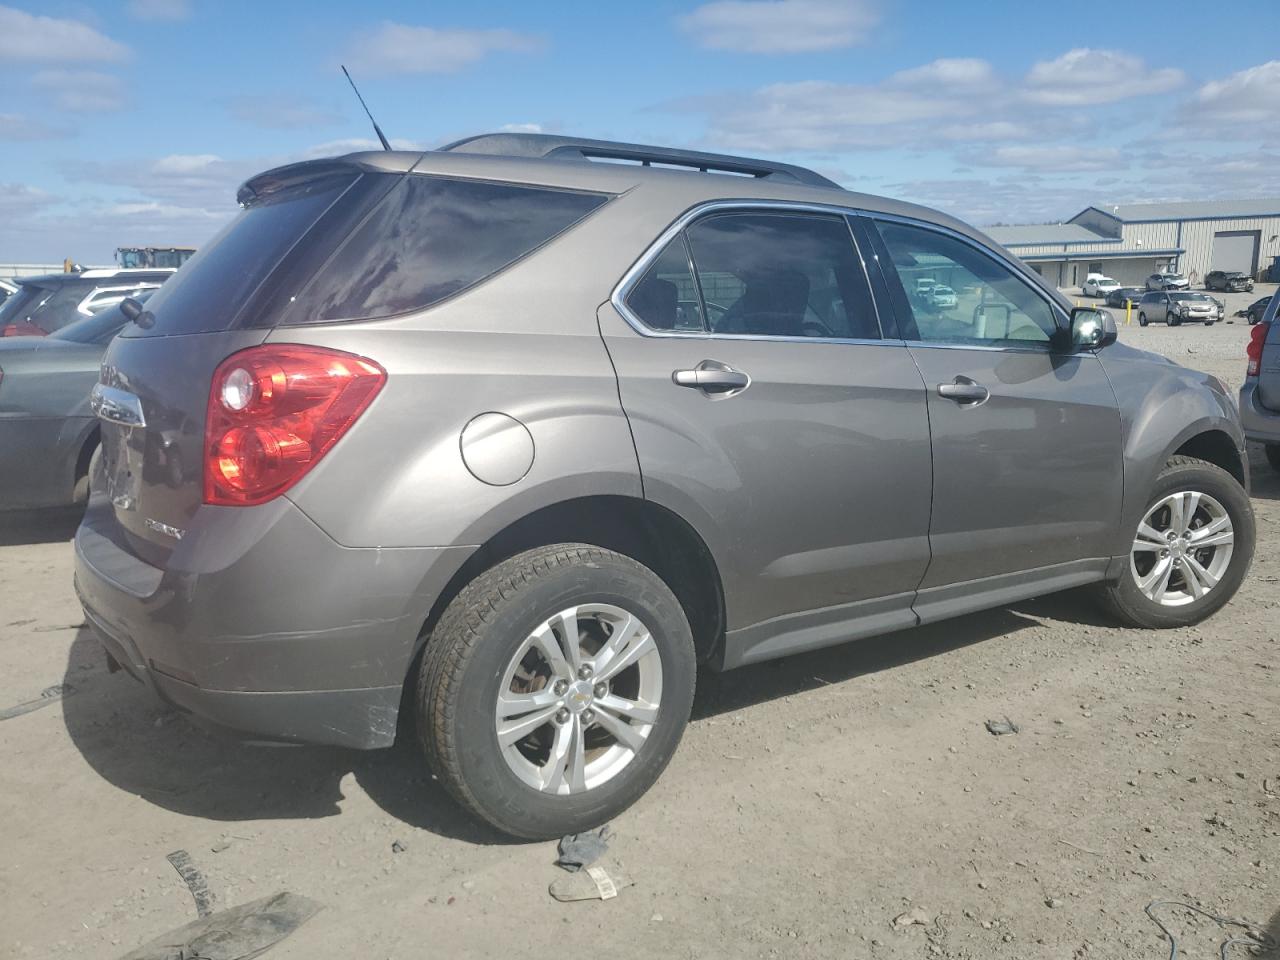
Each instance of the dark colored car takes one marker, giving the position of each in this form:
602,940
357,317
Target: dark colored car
1118,298
1260,395
1255,310
7,289
47,431
1179,307
45,304
1230,281
520,439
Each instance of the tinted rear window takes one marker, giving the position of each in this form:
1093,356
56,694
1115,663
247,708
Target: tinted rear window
432,237
211,289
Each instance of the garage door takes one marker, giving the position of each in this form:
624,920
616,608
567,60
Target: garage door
1235,250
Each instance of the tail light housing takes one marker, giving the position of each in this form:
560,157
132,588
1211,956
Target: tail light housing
1257,337
274,411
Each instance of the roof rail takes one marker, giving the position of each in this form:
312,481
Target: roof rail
549,146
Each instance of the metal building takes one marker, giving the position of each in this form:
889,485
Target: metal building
1131,241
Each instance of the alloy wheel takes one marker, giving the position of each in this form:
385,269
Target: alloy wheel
1182,548
578,698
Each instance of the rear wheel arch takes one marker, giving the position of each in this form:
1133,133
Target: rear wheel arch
640,529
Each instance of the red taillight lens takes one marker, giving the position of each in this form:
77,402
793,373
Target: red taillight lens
274,411
1257,337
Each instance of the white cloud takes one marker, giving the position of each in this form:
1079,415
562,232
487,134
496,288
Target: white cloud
17,126
26,37
1048,158
159,9
781,26
81,91
337,148
1084,77
20,199
400,48
969,73
521,128
1244,101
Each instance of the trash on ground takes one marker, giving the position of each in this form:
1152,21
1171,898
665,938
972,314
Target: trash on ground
194,880
593,883
916,916
398,847
578,850
47,696
1000,728
238,933
1254,941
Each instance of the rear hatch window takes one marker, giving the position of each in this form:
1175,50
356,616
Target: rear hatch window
358,246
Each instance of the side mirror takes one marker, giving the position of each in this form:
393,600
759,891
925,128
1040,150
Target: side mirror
1092,329
131,308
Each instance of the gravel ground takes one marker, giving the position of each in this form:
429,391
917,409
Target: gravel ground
813,800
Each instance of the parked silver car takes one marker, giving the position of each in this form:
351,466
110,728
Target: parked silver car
525,440
1167,281
1179,307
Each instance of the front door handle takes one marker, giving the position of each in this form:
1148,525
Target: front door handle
712,377
964,391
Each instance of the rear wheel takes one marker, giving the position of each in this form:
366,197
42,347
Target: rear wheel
1189,552
555,689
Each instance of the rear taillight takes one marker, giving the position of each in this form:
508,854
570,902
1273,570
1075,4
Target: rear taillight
274,411
1257,336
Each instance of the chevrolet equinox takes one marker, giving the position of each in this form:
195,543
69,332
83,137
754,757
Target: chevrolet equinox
527,430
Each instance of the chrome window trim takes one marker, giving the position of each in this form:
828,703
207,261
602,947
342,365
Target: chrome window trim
629,279
637,270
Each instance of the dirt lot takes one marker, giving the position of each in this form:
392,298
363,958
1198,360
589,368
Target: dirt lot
812,801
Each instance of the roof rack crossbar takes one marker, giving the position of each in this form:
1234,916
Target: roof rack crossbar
549,146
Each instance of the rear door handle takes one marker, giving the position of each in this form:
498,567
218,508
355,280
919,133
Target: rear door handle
712,377
964,391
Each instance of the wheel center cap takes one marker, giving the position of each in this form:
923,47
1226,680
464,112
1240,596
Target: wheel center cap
579,696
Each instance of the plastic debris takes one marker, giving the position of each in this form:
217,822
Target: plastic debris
398,847
194,880
916,916
593,883
47,696
578,850
1000,728
239,933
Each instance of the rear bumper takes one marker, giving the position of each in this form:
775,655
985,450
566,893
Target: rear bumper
260,624
1259,423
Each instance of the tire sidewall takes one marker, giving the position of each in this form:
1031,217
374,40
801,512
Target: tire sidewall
507,799
1223,488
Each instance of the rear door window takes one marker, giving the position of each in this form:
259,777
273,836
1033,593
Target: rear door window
768,274
666,297
432,237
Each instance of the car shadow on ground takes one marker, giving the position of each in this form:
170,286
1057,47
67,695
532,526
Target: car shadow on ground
23,527
143,747
1265,479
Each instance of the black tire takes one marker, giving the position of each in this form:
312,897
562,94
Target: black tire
470,648
1272,451
1128,603
1172,320
1142,319
1209,323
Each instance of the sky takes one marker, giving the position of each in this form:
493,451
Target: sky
132,122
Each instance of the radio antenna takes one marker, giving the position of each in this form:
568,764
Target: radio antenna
376,129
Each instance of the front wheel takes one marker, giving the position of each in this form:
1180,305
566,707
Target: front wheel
1190,550
1142,319
1172,320
1209,323
555,689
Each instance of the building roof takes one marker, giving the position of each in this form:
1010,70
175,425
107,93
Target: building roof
1035,234
1190,210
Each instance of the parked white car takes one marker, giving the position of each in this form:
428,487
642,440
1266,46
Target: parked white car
1099,286
941,296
